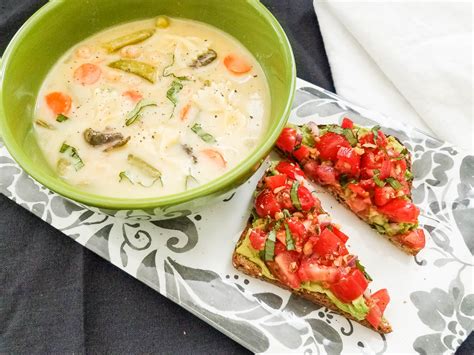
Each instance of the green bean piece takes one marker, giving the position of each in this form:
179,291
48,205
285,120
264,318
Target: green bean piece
162,22
144,166
132,38
143,70
206,137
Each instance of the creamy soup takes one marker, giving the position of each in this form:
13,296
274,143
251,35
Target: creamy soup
151,108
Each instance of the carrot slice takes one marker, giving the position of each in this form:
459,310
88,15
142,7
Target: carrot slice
184,112
215,156
58,102
236,64
133,95
87,74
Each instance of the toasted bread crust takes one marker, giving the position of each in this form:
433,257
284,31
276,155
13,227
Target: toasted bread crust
246,266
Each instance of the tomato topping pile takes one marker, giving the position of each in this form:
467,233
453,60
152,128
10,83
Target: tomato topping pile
299,244
363,166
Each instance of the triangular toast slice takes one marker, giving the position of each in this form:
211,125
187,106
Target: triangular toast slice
291,242
366,170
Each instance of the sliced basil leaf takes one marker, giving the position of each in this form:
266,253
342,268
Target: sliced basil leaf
408,175
72,153
290,244
206,137
190,182
269,251
294,195
375,130
165,74
44,124
349,134
174,89
362,269
127,175
61,118
286,213
394,183
135,114
344,180
378,182
335,129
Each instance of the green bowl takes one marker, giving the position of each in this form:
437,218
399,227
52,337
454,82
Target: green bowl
60,24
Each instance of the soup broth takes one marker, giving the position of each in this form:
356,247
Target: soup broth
151,108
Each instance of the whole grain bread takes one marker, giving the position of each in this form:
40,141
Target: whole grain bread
245,265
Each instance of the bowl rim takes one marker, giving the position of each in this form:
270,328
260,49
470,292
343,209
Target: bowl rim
222,183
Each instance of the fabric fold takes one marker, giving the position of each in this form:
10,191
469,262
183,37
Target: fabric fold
411,61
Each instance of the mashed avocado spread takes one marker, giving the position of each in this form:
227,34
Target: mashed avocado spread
357,308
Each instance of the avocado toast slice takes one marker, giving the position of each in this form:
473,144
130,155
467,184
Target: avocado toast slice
367,171
291,242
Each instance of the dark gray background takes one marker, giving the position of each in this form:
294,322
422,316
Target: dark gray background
56,296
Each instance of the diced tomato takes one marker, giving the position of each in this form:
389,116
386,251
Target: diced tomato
257,239
285,268
399,167
381,298
347,123
351,286
342,237
359,204
305,197
385,169
280,248
310,270
381,140
367,184
324,174
58,102
301,153
290,169
348,161
414,239
275,181
357,189
298,231
266,204
281,236
329,244
236,64
400,210
287,139
374,316
87,74
284,199
329,145
383,195
377,304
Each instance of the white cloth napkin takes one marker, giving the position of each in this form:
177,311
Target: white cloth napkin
409,60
